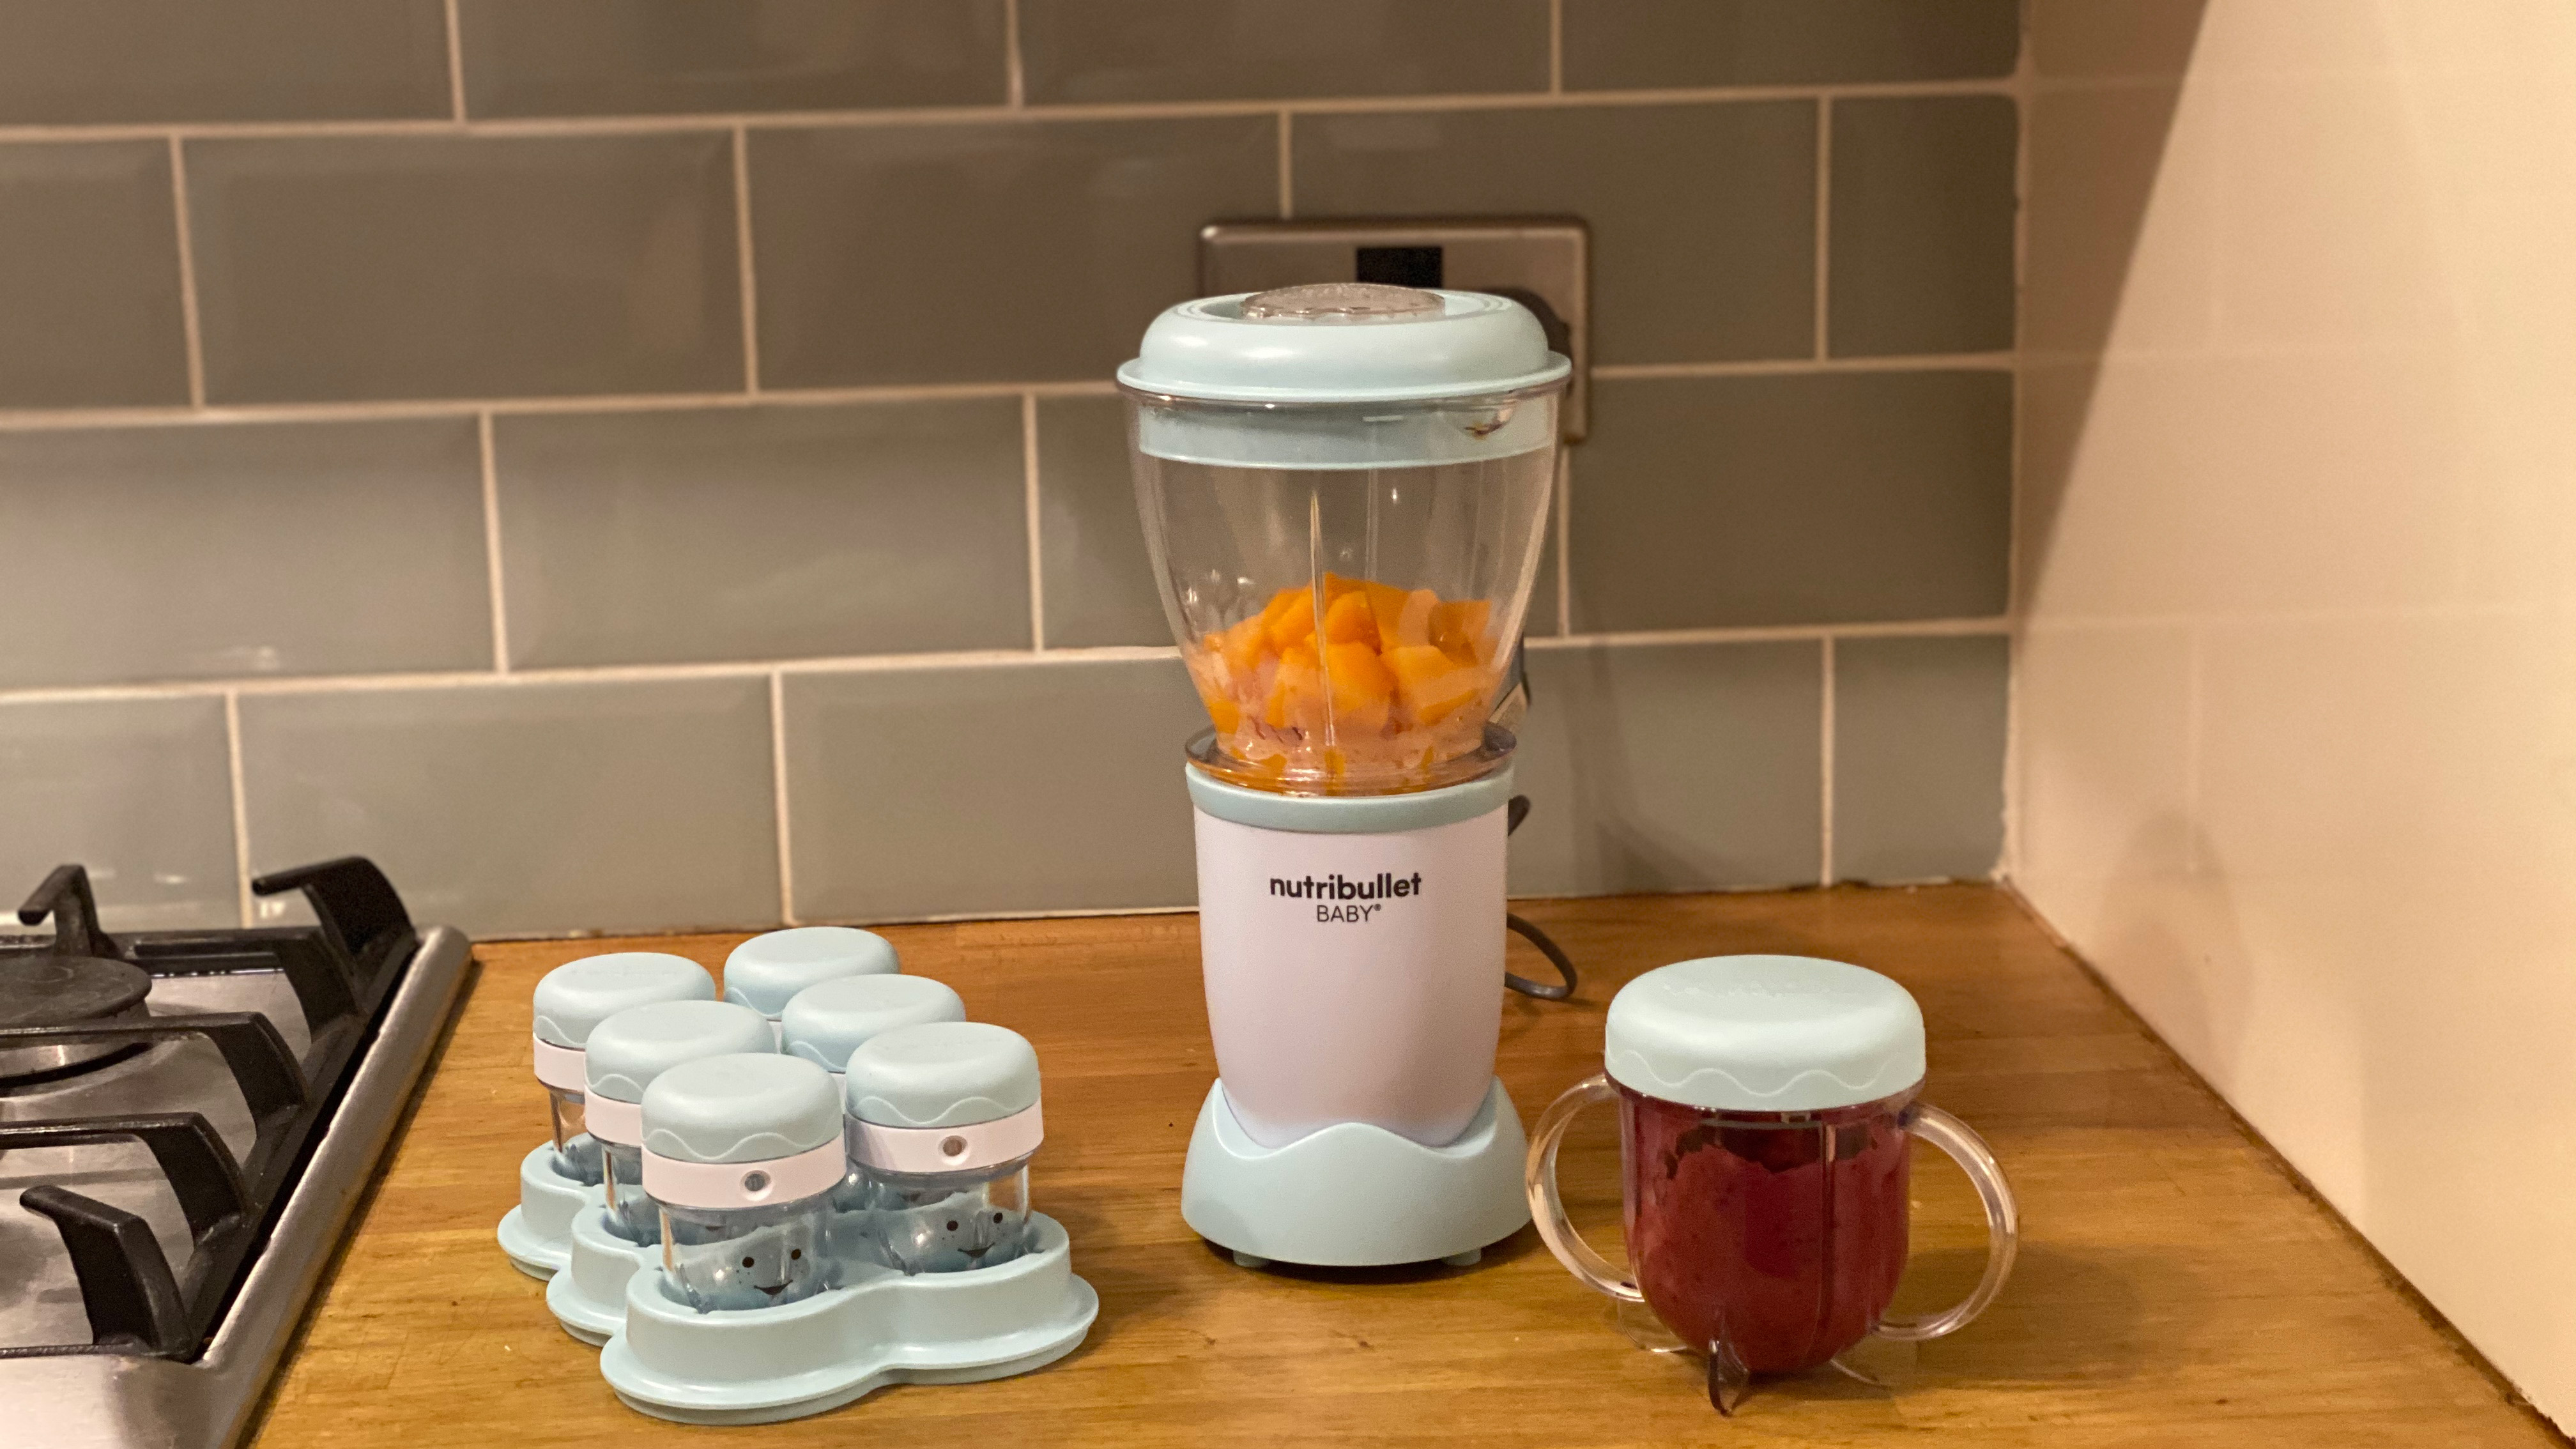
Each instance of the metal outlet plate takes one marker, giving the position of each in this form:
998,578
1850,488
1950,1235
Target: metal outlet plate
1543,262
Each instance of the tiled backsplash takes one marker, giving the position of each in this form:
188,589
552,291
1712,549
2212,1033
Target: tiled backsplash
634,463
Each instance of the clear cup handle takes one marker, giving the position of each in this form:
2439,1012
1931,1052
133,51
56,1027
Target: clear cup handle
1547,1209
2003,1228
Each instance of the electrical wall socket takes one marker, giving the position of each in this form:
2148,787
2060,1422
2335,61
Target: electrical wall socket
1544,263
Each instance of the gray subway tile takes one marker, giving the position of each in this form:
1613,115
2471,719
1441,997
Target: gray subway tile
234,549
763,532
1703,216
1919,757
608,57
1802,499
453,266
980,253
529,808
999,788
1648,44
1187,50
107,61
1923,202
138,790
1098,582
89,277
1670,767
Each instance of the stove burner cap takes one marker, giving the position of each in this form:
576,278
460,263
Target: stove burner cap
68,990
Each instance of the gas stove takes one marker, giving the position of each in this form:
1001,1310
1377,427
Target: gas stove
186,1121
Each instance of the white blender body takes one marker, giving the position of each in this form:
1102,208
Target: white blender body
1345,492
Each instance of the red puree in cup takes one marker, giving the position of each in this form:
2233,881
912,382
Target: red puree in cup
1767,1105
1783,1235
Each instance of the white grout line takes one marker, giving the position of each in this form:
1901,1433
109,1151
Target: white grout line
883,663
455,63
1824,218
241,805
1825,774
778,782
1778,633
1037,555
1795,366
191,331
584,674
1556,47
742,251
35,421
1287,168
1015,71
492,544
979,115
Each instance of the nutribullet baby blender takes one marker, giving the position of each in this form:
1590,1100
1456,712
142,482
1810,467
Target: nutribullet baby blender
1344,489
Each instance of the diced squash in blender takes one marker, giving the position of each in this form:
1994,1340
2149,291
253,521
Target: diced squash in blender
1335,586
1296,696
1290,617
1362,688
1349,621
1223,712
1459,629
1430,684
1243,646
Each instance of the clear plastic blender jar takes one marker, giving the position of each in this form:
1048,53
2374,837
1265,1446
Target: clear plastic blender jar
1344,489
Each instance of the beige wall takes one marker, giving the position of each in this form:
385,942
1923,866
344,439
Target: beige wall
2295,714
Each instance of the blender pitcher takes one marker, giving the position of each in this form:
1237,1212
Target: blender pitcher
1344,490
1766,1104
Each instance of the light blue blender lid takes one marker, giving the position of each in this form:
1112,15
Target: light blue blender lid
767,971
577,996
945,1074
1341,375
640,1043
1764,1034
828,1021
750,1107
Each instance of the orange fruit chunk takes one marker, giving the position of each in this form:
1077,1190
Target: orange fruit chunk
1459,629
1296,697
1430,683
1289,617
1349,621
1362,688
1242,647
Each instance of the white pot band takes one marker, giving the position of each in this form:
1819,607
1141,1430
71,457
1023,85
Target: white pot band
947,1149
723,1185
614,1121
560,1066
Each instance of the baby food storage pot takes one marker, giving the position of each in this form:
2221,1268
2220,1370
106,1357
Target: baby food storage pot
627,1054
740,1154
1766,1104
943,1120
576,997
765,972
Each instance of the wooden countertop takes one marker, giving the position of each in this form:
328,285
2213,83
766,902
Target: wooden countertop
2175,1287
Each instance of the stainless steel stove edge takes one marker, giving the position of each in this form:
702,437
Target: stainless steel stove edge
112,1401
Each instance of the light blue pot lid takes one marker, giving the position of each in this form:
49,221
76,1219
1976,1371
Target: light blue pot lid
746,1107
944,1074
639,1044
577,996
1764,1034
765,972
1345,348
828,1021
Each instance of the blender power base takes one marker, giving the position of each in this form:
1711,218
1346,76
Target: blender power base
1354,1195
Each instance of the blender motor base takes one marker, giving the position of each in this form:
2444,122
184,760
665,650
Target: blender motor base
1355,1195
